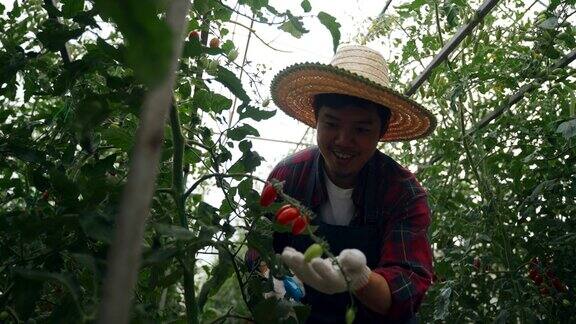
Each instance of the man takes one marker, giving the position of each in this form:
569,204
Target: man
371,211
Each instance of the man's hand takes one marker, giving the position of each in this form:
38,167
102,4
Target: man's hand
324,276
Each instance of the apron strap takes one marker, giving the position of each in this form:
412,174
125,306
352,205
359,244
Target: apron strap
313,178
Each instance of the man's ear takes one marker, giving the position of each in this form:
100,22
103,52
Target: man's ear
384,128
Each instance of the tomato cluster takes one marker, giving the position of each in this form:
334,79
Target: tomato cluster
290,215
544,279
195,34
287,214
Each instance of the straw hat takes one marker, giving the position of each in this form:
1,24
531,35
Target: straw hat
356,71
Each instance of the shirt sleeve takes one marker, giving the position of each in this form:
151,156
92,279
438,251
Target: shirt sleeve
406,258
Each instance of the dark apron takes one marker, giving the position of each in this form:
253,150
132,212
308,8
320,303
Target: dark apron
366,237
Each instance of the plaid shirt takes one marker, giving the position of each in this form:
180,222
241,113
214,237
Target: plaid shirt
406,258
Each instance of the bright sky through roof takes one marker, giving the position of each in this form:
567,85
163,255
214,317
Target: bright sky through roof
314,46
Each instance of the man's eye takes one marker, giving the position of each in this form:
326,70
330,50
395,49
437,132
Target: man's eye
330,124
362,130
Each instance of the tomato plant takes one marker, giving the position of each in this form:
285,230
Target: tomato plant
75,85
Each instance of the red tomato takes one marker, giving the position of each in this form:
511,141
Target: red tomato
299,225
214,42
538,280
558,285
533,273
268,196
194,35
286,214
476,264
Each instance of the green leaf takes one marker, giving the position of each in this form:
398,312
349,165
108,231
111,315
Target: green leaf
231,81
568,39
412,6
210,101
293,26
442,303
177,232
185,90
254,4
159,256
502,317
245,187
222,271
26,294
306,5
333,26
53,35
148,37
567,128
72,7
239,133
550,23
119,137
451,10
246,111
66,280
409,49
192,156
110,51
194,49
222,13
97,226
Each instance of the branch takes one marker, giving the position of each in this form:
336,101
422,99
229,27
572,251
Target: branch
279,141
385,8
480,13
125,252
251,18
220,176
513,99
252,31
50,6
177,164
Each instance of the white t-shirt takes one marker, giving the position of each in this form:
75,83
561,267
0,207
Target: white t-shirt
339,209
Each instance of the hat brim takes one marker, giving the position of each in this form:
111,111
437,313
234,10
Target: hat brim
293,90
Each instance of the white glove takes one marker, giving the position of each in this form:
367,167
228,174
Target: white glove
326,277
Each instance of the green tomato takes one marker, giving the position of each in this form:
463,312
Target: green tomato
350,315
313,251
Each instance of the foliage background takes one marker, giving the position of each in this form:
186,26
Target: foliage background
503,196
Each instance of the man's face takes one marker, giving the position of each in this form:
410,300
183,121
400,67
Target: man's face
347,138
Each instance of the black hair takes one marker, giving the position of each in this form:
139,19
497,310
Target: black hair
338,100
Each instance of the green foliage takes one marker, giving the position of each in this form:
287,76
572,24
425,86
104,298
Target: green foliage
502,194
333,26
140,26
70,98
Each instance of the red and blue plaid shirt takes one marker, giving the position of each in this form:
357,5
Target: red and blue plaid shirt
406,257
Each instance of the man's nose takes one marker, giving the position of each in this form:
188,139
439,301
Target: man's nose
344,137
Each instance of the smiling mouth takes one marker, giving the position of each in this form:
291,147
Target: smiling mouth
342,156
